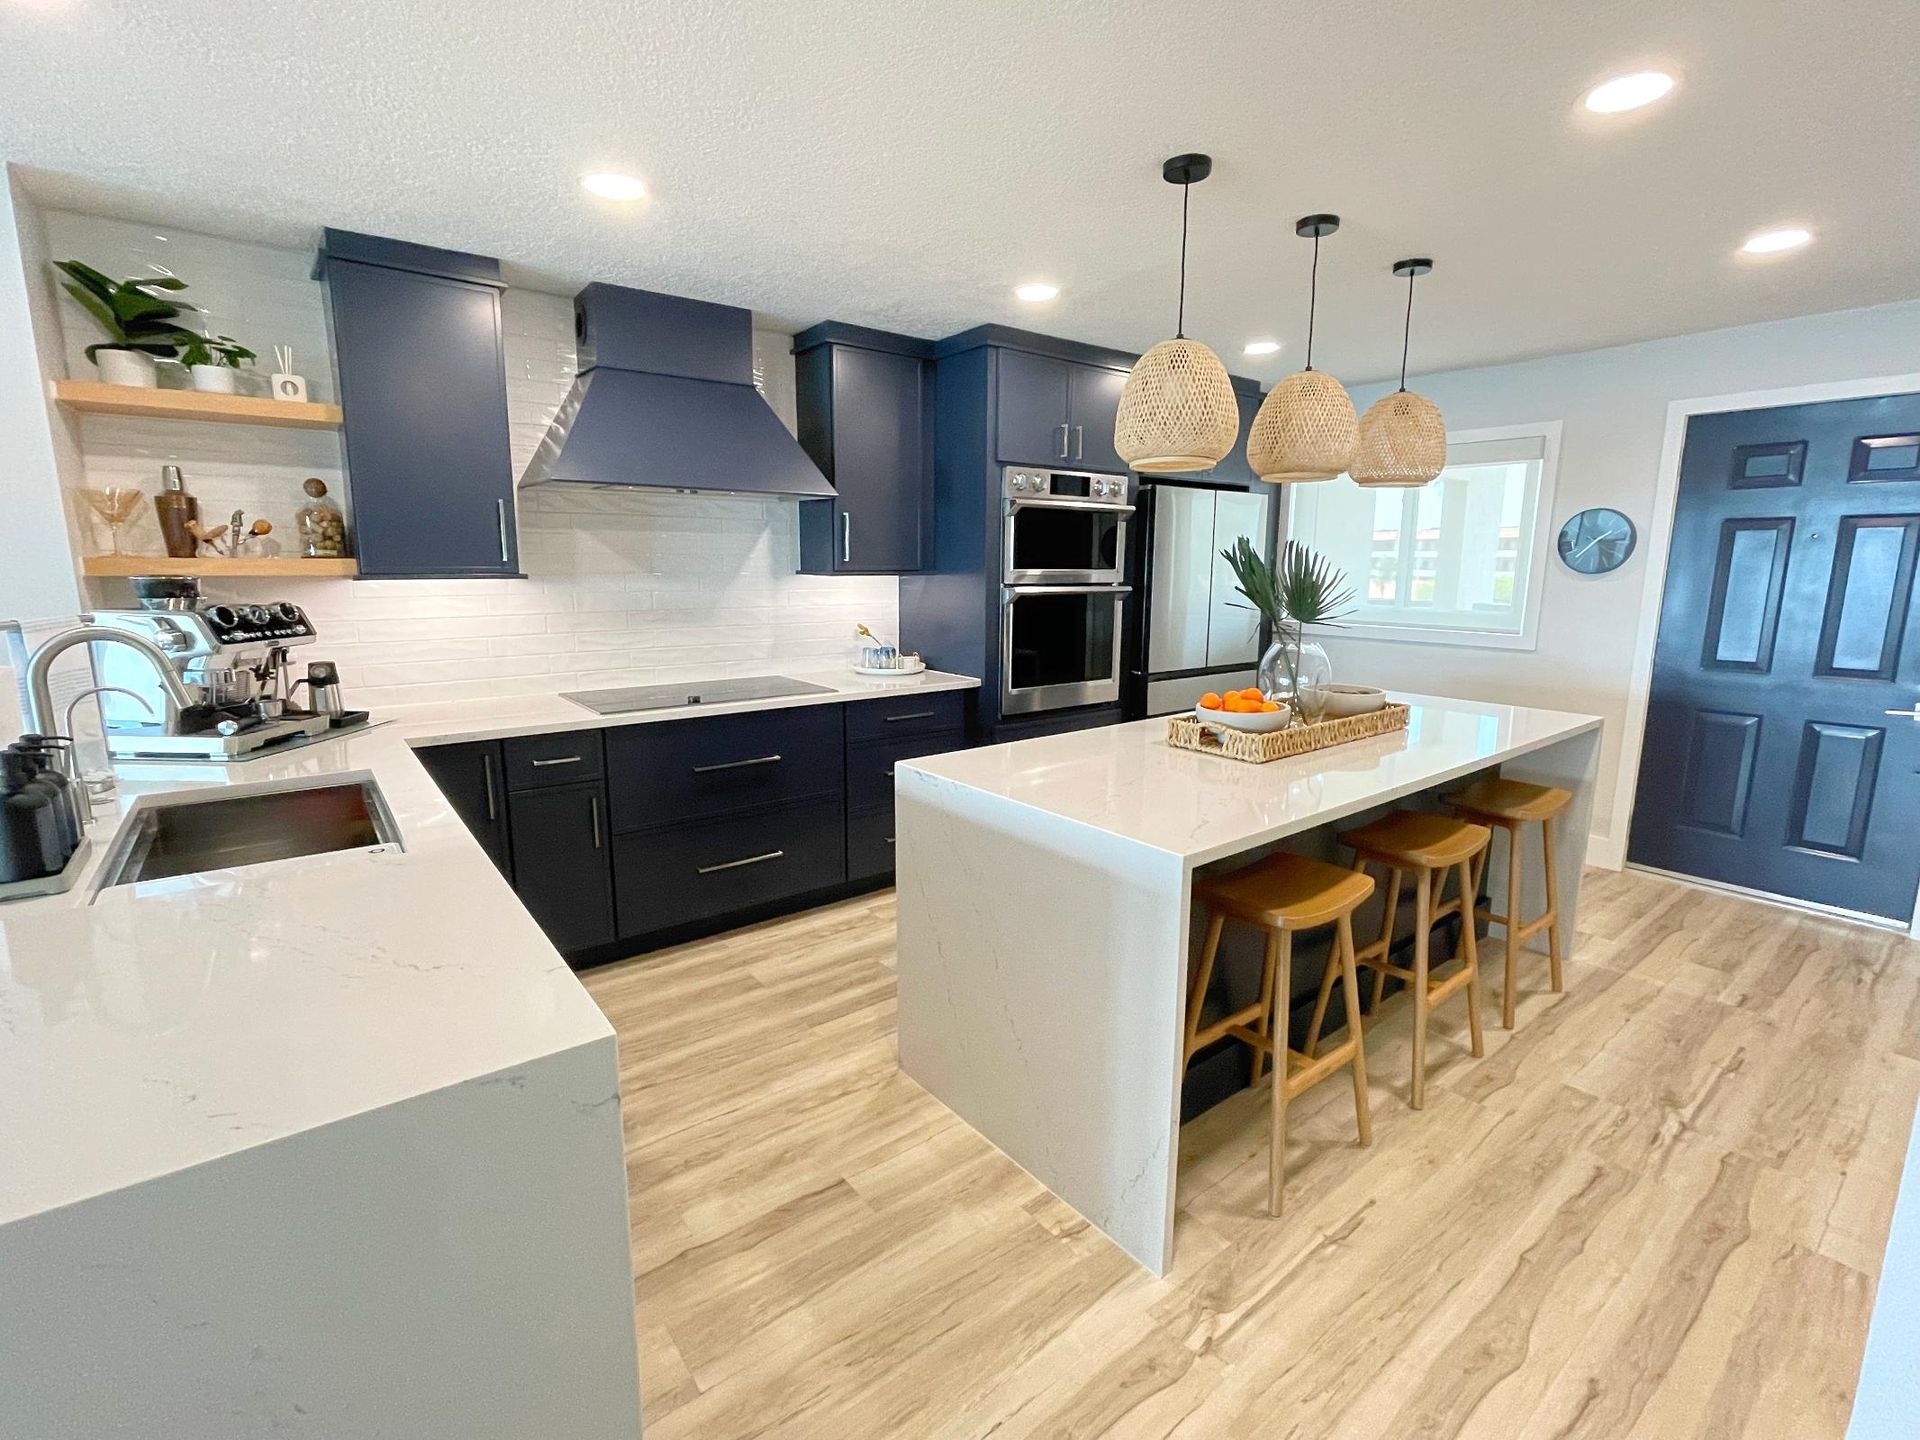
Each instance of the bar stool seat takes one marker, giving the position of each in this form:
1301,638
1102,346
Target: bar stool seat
1430,848
1281,895
1507,805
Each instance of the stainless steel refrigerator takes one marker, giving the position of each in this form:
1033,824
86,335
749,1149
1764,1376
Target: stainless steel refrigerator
1192,630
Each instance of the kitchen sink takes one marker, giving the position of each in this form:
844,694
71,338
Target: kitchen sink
199,831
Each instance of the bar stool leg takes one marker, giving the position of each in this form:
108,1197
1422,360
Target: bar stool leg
1277,1126
1263,1022
1327,974
1470,943
1422,1000
1350,990
1392,913
1513,924
1553,904
1197,990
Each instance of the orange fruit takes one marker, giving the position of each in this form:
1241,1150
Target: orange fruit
1210,701
1252,692
1268,707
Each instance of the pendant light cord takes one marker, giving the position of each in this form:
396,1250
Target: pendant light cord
1180,325
1406,335
1313,298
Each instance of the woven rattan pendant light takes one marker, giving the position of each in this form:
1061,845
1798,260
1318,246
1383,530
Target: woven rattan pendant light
1403,440
1305,428
1177,411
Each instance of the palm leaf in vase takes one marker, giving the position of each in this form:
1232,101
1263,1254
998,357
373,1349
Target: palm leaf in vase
1305,589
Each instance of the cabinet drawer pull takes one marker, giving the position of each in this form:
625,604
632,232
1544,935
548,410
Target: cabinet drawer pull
889,839
736,864
486,773
889,772
593,809
736,764
914,715
559,760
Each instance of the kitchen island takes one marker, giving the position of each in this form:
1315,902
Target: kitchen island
325,1146
1045,918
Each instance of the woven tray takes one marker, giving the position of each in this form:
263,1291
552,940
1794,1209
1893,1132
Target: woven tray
1184,732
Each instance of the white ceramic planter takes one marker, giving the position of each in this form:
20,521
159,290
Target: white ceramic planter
216,379
126,367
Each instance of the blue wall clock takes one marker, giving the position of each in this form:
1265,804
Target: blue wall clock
1596,541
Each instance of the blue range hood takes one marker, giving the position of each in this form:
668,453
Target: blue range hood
665,401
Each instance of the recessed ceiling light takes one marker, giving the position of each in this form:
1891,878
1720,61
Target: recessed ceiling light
1772,242
1036,291
1263,347
1628,92
611,186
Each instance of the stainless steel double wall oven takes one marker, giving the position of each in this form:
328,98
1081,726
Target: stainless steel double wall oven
1063,584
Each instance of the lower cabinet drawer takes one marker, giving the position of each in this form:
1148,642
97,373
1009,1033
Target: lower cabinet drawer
870,767
698,872
870,843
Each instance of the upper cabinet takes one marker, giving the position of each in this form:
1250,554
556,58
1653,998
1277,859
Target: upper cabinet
1056,412
866,419
422,378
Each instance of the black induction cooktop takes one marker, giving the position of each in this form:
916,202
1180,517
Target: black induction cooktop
692,693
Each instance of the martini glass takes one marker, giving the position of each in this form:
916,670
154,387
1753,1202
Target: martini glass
115,505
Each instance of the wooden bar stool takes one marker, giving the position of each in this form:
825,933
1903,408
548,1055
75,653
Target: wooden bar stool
1508,805
1429,848
1282,895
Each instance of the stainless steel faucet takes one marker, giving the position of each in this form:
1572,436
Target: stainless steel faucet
41,713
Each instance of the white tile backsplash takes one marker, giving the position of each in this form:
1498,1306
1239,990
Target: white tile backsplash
621,589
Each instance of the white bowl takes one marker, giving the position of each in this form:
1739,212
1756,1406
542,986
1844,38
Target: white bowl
1259,723
1345,700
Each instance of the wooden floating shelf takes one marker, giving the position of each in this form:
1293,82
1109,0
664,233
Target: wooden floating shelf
90,397
211,567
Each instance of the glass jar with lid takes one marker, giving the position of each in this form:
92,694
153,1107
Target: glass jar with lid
323,529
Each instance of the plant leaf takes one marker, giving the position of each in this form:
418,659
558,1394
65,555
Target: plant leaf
97,308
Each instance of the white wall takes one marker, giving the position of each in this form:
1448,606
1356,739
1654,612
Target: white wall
1613,408
622,588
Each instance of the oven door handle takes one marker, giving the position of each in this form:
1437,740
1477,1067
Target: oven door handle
1015,591
1100,507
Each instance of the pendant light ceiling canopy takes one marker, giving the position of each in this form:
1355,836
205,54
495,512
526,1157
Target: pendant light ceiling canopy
1403,440
1177,411
1306,428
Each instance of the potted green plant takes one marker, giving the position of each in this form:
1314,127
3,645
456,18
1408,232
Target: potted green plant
142,323
1305,589
214,361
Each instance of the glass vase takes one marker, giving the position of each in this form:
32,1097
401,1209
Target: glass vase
1297,672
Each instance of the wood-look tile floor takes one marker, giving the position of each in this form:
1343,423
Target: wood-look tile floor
1656,1208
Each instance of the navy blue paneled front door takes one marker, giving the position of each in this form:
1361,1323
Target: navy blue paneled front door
1776,755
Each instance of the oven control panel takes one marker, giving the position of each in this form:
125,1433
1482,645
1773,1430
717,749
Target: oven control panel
1023,483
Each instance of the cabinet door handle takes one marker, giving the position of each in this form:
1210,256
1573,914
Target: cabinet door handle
736,764
559,760
736,864
1079,440
486,774
1913,714
500,508
889,772
1064,427
911,715
846,537
889,839
593,809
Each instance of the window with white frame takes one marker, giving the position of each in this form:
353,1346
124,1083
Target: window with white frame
1458,559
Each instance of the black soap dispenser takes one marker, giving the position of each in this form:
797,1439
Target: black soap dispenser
30,832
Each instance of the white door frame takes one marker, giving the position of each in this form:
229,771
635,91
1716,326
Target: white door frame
1666,497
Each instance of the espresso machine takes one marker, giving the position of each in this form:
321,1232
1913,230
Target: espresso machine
234,661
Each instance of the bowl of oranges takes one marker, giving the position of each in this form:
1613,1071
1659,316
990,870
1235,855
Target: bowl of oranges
1241,710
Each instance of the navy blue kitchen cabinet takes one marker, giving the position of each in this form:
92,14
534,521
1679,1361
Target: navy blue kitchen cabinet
472,777
562,873
865,407
1057,412
881,734
422,383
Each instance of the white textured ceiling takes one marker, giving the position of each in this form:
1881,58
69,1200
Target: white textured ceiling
904,164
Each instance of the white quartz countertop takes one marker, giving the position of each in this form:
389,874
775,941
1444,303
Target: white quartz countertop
147,1028
1126,781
